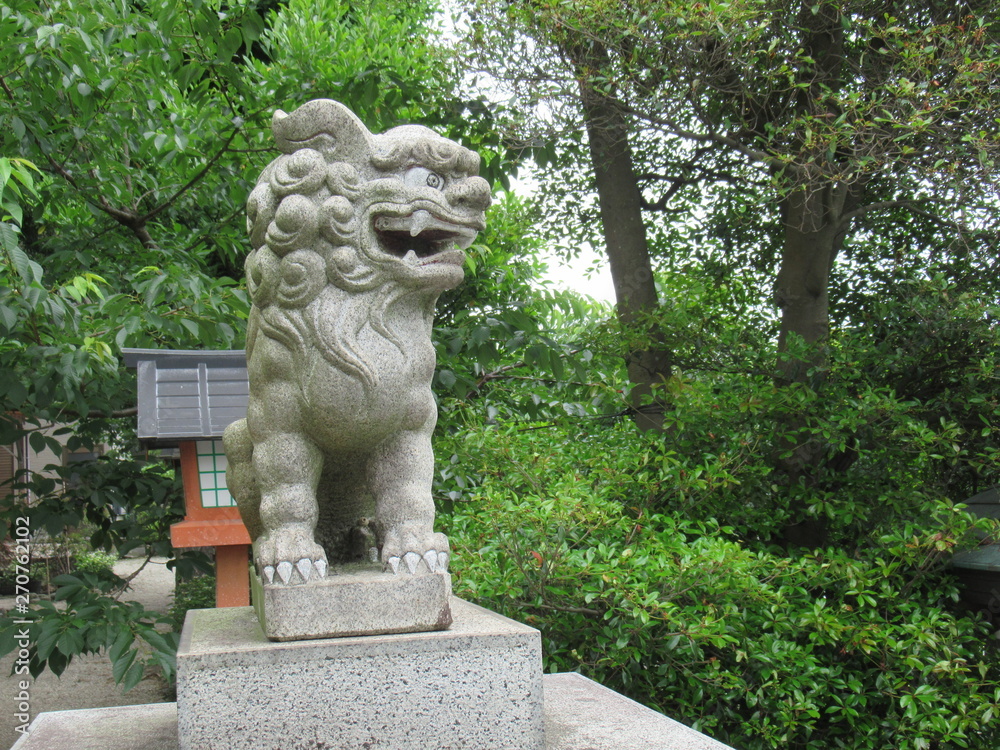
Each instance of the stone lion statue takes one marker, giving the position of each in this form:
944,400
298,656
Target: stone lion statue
354,237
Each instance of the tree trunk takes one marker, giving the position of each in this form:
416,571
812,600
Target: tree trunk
813,235
627,248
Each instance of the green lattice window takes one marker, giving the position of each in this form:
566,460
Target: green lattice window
212,475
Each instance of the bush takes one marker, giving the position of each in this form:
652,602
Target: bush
95,561
193,593
759,648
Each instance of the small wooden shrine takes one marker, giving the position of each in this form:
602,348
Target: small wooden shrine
186,400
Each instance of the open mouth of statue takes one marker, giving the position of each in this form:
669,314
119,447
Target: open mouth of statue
423,239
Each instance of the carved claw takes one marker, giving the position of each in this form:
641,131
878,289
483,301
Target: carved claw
422,550
304,566
412,560
287,558
285,572
431,560
284,569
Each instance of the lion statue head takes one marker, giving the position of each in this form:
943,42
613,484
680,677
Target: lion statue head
342,216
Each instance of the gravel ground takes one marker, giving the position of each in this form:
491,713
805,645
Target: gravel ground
87,681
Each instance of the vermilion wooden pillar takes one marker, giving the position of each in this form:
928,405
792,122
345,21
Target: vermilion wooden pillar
221,528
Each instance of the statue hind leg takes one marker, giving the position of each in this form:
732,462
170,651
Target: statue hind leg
240,477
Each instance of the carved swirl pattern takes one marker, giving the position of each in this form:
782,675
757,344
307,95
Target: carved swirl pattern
302,278
294,225
302,172
262,270
261,206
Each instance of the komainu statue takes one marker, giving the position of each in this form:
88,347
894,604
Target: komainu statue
354,237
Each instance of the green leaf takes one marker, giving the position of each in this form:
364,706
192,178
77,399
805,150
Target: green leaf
122,642
133,676
48,637
70,642
231,42
8,241
18,256
122,664
57,662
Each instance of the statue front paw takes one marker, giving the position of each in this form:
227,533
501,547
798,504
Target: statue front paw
409,551
289,556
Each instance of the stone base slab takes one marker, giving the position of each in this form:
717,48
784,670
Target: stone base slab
351,601
579,715
152,726
476,685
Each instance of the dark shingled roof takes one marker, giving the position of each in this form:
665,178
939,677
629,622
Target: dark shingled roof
187,395
986,557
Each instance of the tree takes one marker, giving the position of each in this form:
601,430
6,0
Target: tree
149,123
841,116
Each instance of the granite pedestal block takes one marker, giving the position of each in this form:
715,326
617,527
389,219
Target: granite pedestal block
477,685
353,600
579,715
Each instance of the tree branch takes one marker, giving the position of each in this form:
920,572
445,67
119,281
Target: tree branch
554,608
712,137
193,181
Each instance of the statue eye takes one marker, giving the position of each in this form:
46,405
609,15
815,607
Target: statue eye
423,177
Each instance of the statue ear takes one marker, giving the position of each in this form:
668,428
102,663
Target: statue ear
324,125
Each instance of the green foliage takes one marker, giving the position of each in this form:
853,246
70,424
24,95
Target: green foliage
649,561
849,648
380,69
85,618
96,561
104,495
509,347
149,123
191,593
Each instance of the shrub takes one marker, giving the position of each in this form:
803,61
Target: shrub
839,648
95,561
193,593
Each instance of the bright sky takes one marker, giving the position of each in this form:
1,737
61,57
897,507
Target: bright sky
588,273
574,275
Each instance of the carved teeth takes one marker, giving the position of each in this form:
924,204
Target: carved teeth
442,561
285,571
421,219
304,567
412,560
394,564
411,258
431,558
373,554
320,566
269,573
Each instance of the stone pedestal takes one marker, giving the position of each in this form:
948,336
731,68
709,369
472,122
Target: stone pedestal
477,685
579,715
353,600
